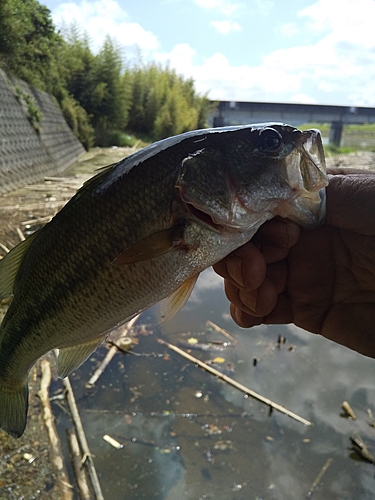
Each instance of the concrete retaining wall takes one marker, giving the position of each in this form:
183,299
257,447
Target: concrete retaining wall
35,140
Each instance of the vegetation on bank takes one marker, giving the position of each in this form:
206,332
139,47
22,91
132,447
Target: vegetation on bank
353,138
104,99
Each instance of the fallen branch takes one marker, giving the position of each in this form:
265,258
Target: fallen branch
79,472
88,460
110,354
237,385
56,455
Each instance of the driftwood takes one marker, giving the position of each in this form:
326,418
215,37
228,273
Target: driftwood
237,385
110,354
79,471
56,455
87,456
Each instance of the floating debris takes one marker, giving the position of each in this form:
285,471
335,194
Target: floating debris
361,448
348,410
371,418
108,439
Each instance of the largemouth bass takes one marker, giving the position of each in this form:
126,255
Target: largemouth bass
142,230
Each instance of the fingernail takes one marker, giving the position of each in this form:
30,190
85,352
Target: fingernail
234,269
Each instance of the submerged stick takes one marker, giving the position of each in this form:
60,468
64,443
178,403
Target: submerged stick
79,472
222,331
88,460
110,354
56,455
237,385
319,477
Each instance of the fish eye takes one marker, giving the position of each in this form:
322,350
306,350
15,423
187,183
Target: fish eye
270,141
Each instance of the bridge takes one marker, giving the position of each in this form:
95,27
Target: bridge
242,112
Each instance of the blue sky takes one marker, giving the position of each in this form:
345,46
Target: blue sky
309,51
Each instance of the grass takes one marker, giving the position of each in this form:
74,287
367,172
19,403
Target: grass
354,137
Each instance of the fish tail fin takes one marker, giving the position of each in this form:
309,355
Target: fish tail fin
13,408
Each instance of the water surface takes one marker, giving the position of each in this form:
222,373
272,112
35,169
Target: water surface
187,435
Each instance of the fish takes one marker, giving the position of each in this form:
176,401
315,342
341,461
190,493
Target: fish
139,232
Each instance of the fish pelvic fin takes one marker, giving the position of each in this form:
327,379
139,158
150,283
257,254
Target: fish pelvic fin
13,408
173,303
10,264
70,358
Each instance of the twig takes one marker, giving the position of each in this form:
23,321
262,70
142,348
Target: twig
6,249
360,447
38,220
56,455
110,354
371,418
20,234
82,439
348,410
237,385
319,477
222,331
79,472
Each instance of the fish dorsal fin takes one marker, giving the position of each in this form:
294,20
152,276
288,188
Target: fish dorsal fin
70,358
174,302
10,264
153,245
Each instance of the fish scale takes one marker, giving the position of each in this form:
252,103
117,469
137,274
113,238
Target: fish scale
141,231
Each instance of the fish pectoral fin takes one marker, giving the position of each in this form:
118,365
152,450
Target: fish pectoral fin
152,246
10,264
70,358
173,303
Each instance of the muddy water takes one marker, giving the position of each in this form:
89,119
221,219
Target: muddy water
186,435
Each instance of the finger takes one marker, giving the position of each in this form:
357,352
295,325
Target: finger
278,232
258,302
277,275
350,202
281,313
245,267
243,319
275,238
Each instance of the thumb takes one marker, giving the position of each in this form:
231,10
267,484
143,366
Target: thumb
351,200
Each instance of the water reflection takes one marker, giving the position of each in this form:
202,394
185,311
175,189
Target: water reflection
222,445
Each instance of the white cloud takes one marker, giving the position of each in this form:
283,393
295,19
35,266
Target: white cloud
338,63
351,21
226,7
302,99
289,29
226,27
180,58
103,17
242,82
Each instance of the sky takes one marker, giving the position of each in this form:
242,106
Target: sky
303,51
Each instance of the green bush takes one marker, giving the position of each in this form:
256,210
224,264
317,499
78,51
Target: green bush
78,120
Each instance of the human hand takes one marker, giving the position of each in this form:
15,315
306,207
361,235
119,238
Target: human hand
321,280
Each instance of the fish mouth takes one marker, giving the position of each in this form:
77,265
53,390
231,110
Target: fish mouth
307,178
206,218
